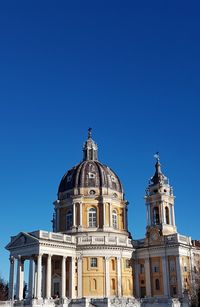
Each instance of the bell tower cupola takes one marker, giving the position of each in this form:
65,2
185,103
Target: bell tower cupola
160,202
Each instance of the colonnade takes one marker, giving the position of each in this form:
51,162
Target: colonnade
39,284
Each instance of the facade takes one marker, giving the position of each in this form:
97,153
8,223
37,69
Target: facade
90,258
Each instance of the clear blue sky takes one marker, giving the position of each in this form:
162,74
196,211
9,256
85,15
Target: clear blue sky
130,70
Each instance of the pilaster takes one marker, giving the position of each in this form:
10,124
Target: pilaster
80,260
107,277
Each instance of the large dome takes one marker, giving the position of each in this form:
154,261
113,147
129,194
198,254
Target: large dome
90,173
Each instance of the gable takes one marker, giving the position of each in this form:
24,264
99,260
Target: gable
21,240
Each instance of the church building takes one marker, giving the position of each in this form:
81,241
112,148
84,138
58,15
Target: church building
90,258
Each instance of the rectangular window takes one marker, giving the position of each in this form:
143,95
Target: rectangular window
141,268
56,288
93,262
185,269
155,268
174,291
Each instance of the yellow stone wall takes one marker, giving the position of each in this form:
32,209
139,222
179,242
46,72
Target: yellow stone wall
141,276
127,278
107,214
172,276
93,278
185,267
156,275
113,276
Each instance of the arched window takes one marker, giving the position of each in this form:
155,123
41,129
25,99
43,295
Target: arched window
94,284
92,217
167,215
156,219
157,284
68,220
113,284
114,219
113,264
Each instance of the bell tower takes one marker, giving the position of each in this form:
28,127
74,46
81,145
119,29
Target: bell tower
159,204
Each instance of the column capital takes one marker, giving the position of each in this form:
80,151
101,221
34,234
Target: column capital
49,255
107,258
80,258
12,259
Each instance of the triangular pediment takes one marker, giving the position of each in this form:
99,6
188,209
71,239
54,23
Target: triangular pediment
21,240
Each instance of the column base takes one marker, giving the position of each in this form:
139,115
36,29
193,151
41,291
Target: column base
74,228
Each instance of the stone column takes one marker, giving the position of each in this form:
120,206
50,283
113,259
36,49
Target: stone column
107,277
173,215
11,278
136,279
63,289
30,279
119,277
124,211
147,276
110,217
179,276
104,214
35,279
80,277
74,215
165,276
71,278
39,276
161,213
81,214
48,277
20,279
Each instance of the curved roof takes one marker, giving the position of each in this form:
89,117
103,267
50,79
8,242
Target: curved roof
90,173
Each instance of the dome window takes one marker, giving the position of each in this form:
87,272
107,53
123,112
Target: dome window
114,219
113,179
69,178
92,192
92,217
115,195
91,175
69,220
